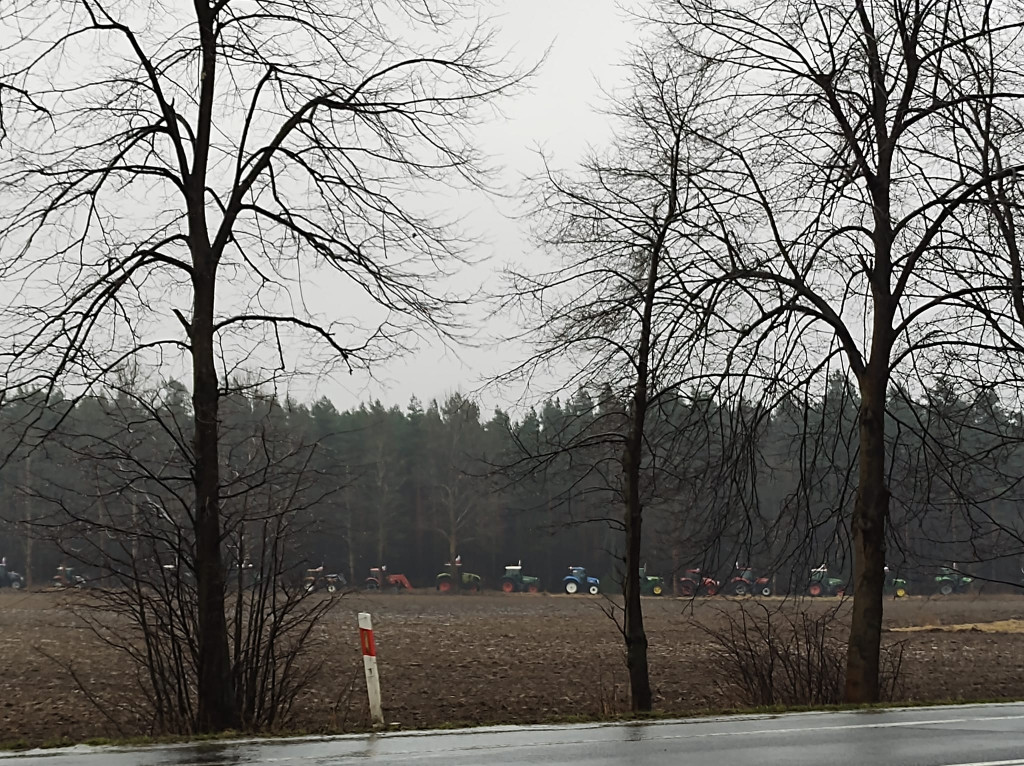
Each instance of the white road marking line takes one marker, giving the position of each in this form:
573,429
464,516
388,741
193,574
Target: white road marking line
1014,762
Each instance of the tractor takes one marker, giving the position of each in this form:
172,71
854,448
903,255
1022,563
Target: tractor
894,586
950,580
315,579
466,580
577,581
693,583
651,585
9,578
380,578
745,583
514,581
66,578
820,584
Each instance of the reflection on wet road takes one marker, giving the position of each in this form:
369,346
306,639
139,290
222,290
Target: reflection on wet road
969,735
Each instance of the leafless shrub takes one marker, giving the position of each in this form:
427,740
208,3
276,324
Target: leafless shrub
789,656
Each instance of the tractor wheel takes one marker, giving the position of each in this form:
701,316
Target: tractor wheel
372,585
444,585
593,590
508,586
901,593
532,588
332,588
474,588
657,590
16,584
740,589
571,587
712,590
766,590
946,589
687,588
815,589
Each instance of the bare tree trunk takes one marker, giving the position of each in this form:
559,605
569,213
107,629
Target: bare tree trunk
28,524
215,685
633,620
868,527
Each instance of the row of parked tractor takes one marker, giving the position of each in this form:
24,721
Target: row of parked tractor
742,581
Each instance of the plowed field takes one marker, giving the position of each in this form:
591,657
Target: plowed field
489,658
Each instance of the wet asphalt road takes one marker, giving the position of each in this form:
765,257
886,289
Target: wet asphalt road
970,735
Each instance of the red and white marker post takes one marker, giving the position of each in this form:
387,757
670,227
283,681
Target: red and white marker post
370,666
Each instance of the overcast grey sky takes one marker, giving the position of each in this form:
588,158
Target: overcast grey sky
560,112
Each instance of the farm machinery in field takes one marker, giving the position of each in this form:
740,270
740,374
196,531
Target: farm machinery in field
66,577
514,581
820,584
380,578
9,578
950,580
446,582
744,582
315,579
893,585
651,585
693,583
577,581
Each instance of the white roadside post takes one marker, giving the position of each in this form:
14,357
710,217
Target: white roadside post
370,666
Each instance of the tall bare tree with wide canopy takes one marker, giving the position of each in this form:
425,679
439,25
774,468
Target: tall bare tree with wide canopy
182,183
872,158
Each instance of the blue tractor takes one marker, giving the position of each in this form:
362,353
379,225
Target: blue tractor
578,582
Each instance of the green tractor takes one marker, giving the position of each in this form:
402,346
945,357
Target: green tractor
820,584
514,581
950,580
651,585
894,586
466,580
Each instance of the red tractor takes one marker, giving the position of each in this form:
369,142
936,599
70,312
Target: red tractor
693,583
380,578
745,583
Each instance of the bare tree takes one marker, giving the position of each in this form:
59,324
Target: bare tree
859,229
616,306
193,166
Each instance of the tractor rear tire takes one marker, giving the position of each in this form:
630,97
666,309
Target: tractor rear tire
332,588
444,586
687,588
16,584
901,593
657,590
766,590
593,590
532,588
508,586
572,587
740,589
815,590
372,585
946,589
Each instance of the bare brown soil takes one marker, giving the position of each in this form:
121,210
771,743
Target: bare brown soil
485,658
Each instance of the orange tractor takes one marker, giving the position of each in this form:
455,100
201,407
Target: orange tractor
380,579
693,583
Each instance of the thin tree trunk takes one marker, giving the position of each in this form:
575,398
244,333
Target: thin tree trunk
28,523
633,620
868,526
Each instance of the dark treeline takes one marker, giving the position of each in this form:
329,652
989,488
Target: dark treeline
412,487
